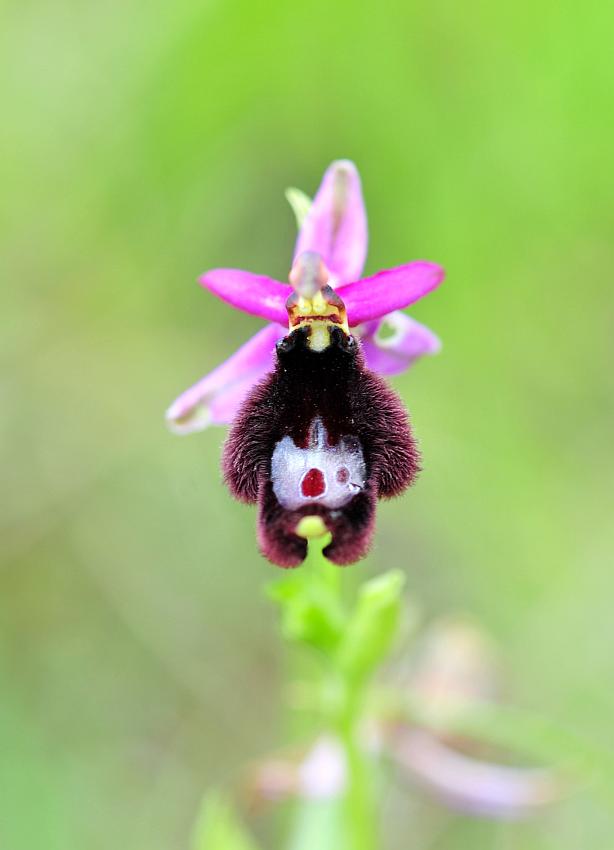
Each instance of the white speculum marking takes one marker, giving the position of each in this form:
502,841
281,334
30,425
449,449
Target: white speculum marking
319,474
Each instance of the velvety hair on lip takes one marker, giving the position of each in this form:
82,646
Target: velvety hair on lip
352,403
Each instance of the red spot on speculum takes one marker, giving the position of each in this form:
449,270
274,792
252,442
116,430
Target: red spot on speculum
343,475
313,484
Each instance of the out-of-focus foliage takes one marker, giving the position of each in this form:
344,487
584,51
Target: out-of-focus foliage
141,145
218,827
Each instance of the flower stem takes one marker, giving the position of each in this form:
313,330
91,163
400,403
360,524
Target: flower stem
357,804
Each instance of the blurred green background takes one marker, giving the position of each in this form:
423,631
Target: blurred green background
144,143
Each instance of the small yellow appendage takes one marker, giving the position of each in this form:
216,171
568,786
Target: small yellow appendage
310,527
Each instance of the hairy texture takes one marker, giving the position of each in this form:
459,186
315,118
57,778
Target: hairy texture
351,527
335,386
393,456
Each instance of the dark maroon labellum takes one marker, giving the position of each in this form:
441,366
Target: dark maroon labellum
320,436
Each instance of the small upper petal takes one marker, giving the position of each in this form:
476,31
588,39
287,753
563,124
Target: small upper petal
389,290
394,352
215,399
336,225
253,293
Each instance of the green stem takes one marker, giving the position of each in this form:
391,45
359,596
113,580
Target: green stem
349,821
358,806
358,803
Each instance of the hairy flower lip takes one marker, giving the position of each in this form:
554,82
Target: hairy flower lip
269,447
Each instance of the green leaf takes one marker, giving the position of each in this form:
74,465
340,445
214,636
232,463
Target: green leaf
300,203
309,598
310,610
218,828
373,626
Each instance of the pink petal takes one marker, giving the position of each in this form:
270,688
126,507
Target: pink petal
389,290
323,773
253,293
409,340
215,399
226,404
470,785
336,226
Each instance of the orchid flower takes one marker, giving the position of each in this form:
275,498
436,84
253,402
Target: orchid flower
334,226
317,436
454,673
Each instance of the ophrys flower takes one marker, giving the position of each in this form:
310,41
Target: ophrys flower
317,436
